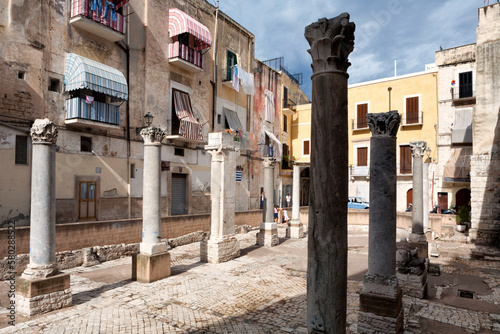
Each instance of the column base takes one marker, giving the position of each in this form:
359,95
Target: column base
38,296
413,285
420,241
268,235
295,230
380,306
149,268
34,271
219,250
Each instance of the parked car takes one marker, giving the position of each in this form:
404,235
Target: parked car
357,203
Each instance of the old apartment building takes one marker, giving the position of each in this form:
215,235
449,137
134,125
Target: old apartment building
102,75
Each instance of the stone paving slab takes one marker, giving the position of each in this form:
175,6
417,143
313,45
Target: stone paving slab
263,291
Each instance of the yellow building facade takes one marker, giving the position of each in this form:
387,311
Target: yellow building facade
415,97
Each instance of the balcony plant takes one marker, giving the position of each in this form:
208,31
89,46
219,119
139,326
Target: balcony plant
463,218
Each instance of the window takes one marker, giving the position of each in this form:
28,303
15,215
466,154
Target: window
86,144
405,159
285,123
54,85
21,75
465,85
361,111
412,110
132,171
285,97
232,60
305,147
21,150
179,152
362,156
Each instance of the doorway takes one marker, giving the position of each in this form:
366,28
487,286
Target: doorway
442,201
409,199
86,200
179,206
462,198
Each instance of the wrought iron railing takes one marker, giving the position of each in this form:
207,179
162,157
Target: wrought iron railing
95,111
84,8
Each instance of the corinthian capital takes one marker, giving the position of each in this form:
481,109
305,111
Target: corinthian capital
331,41
384,124
153,135
43,131
418,148
268,162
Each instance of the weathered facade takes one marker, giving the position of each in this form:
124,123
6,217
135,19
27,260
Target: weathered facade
184,78
485,160
456,103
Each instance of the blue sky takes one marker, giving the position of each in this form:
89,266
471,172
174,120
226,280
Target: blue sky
407,30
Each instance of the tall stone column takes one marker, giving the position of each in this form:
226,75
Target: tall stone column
268,234
417,235
331,41
222,245
153,260
296,228
41,288
380,300
426,207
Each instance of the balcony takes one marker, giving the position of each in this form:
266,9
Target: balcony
463,95
359,124
83,17
412,119
97,114
360,171
185,57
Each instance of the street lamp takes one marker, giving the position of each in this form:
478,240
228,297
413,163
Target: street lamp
428,153
148,120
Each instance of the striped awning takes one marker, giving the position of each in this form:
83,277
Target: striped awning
179,23
189,127
81,72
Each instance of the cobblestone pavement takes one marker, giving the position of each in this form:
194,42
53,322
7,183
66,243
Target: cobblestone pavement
259,292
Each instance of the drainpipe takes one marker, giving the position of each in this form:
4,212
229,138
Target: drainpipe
214,83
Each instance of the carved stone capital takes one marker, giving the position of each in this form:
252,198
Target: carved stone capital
331,41
384,124
43,131
152,135
268,162
418,148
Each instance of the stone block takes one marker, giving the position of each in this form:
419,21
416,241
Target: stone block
413,285
295,231
34,297
149,268
37,287
369,323
219,250
268,235
380,304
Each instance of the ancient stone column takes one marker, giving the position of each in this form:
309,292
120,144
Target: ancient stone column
153,260
222,245
268,234
380,300
426,207
296,228
41,288
417,235
331,41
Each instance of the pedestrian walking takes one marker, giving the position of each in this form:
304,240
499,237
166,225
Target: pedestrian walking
288,199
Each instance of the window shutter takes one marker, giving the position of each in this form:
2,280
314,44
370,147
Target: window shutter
306,147
362,110
405,159
363,156
412,110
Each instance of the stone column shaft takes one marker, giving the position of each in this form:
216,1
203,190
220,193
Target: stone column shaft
222,245
296,229
151,212
331,41
426,207
417,229
269,190
380,307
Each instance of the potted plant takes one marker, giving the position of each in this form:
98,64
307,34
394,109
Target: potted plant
463,218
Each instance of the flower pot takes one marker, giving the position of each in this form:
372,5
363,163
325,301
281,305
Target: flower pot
461,228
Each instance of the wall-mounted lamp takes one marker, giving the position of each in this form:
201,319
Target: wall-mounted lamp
148,120
428,152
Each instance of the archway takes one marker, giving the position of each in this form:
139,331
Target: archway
409,199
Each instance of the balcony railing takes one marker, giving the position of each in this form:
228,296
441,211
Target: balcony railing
463,93
184,52
359,124
78,108
82,9
413,118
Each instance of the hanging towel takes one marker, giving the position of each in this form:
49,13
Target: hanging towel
247,81
236,79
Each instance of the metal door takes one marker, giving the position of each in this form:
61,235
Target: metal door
178,194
